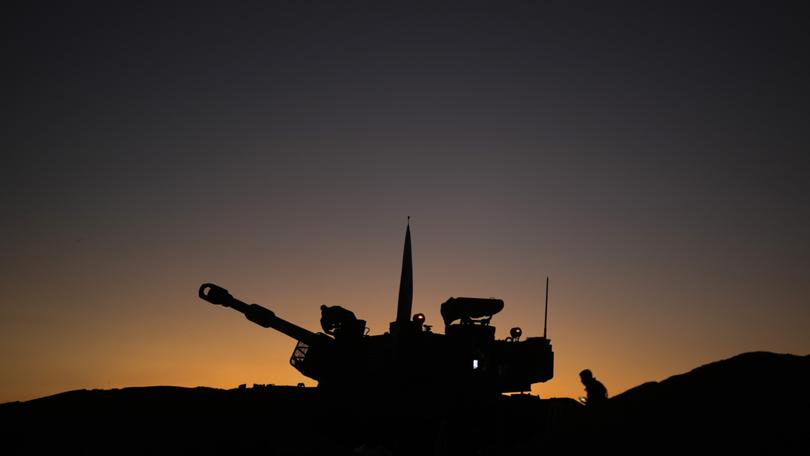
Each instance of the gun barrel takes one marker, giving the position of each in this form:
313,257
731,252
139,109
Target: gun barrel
257,314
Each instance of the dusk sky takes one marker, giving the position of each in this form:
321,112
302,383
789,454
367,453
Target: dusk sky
652,160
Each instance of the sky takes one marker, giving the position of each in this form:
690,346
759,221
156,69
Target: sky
649,159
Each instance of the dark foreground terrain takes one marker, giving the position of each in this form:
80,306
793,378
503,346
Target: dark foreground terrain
754,402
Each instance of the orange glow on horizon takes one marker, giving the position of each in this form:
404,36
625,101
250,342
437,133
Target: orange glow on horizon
164,335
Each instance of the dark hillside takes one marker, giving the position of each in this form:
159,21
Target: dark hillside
751,402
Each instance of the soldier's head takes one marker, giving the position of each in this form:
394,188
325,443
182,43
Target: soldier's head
586,375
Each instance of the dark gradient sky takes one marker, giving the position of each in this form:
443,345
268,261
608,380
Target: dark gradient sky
651,159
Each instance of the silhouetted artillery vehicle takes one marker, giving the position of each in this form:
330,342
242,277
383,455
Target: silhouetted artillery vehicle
410,359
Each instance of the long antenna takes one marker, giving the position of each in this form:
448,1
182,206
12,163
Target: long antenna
545,317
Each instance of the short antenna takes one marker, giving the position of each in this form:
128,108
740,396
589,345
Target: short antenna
545,317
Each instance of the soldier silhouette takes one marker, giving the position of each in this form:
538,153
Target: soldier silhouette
339,322
596,391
